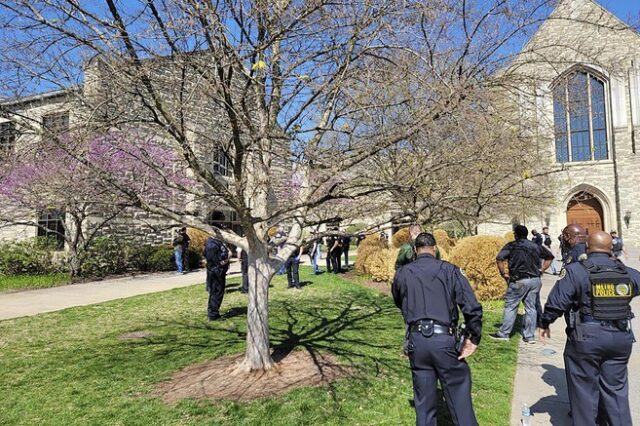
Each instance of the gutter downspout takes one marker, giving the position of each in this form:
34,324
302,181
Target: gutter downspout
616,180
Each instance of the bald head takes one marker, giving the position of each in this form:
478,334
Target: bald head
599,242
574,234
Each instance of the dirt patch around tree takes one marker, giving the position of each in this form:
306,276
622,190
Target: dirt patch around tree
220,379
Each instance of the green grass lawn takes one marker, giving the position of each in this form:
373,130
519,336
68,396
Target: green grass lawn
22,282
70,367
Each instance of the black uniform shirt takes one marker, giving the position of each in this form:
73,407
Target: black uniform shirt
575,282
430,289
574,253
524,258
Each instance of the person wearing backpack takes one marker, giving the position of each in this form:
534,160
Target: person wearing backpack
217,257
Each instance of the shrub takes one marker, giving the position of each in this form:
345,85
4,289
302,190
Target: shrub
106,256
401,238
371,244
477,257
33,256
509,236
381,265
160,258
198,239
443,240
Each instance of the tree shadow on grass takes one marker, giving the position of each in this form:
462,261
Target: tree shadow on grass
348,328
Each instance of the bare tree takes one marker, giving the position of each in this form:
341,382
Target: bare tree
274,108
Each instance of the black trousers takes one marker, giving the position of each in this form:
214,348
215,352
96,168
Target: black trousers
244,268
293,276
597,376
216,282
329,261
435,358
336,257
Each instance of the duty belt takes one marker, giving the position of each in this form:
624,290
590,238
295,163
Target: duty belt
421,325
612,323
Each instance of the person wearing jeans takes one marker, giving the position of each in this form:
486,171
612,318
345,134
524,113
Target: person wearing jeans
314,255
523,258
292,266
527,291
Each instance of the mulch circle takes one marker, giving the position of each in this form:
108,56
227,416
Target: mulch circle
222,379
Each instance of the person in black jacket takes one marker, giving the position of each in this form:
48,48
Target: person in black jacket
217,256
429,291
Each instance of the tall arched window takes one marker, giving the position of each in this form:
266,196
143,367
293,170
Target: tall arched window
580,118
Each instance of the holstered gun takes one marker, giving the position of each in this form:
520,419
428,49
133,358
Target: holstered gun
575,323
460,336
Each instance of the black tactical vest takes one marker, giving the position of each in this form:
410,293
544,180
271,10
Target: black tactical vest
610,292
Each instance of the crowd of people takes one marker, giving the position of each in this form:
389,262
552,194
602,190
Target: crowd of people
593,293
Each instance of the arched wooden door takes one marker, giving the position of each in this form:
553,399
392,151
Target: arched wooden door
585,210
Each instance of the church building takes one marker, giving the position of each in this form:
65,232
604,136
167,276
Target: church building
582,92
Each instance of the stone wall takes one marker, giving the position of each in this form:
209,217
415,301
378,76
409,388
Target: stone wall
579,33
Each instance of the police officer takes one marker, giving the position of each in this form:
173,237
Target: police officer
428,292
574,237
217,257
523,279
330,241
244,269
596,292
334,249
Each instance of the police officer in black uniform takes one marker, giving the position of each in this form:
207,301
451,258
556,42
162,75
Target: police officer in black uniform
244,269
428,292
217,257
596,292
574,237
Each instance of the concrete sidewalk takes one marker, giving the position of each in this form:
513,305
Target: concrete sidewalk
33,302
540,377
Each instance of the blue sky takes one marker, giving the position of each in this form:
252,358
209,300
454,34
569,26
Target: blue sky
628,10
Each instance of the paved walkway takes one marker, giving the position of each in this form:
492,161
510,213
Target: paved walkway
540,380
33,302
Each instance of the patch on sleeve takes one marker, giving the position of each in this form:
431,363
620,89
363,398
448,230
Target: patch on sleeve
563,273
463,273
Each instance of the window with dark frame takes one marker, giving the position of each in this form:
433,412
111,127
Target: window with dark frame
51,225
8,136
221,164
55,124
580,120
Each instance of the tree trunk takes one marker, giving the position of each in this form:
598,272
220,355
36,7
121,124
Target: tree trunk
258,354
75,263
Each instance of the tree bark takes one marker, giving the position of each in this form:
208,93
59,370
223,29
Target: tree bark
258,353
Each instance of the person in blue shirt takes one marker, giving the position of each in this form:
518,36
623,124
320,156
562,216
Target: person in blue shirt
596,293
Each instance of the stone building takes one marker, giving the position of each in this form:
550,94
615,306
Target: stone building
103,100
580,75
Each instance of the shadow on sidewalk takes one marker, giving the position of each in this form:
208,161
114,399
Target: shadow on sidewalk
556,406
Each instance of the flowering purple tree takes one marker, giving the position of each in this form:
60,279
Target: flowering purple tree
86,181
